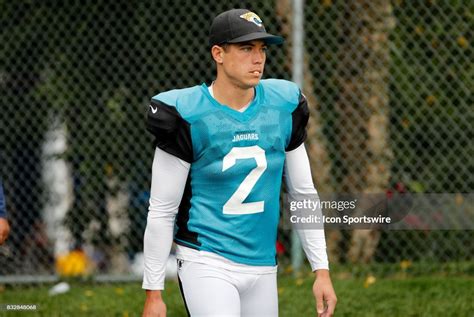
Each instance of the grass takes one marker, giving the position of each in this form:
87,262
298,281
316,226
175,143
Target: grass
400,295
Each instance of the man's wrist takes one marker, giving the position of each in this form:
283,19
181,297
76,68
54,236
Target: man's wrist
153,294
322,273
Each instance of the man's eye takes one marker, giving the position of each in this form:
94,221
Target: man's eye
246,49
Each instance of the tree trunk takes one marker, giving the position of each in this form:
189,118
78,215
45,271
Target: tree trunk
363,108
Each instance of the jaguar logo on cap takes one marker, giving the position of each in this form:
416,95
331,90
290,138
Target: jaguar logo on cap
252,17
237,26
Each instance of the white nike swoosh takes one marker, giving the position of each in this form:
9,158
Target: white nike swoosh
154,110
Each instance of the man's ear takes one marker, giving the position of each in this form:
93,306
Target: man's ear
217,53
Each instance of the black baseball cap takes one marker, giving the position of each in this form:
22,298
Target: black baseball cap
239,25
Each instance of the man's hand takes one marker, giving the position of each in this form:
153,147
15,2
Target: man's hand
154,305
4,230
324,294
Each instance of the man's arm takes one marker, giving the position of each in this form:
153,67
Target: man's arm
299,182
169,175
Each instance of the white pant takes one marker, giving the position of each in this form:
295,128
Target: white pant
210,291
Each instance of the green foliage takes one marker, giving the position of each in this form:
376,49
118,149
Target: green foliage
432,77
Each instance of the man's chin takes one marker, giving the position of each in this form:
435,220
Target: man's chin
248,83
252,83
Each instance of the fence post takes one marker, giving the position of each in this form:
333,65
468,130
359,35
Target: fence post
297,69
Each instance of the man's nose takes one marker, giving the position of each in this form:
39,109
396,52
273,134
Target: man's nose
258,57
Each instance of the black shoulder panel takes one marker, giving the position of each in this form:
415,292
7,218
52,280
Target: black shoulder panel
172,133
299,118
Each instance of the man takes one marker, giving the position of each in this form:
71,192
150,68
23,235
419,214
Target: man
4,227
220,154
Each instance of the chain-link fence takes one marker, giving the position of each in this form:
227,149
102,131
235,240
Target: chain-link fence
389,83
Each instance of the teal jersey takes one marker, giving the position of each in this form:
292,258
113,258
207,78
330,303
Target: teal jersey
231,201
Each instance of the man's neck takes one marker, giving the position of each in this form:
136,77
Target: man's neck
231,95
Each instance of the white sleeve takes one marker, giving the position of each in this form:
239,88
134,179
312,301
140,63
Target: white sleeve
169,175
299,181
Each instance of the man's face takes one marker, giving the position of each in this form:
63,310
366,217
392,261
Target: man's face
243,63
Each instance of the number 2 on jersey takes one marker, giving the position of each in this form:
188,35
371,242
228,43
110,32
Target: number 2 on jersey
235,205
